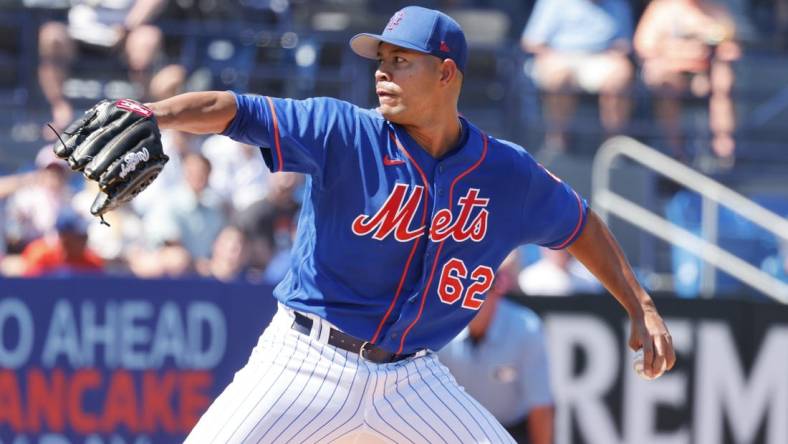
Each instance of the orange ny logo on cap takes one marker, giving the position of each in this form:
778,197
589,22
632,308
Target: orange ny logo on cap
395,20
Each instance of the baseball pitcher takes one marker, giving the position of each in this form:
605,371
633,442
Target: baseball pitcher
409,209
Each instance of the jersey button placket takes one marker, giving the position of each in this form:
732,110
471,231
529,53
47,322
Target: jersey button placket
439,188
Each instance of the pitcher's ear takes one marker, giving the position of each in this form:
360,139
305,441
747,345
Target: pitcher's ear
449,70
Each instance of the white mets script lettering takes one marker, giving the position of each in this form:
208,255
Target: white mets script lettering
397,213
132,160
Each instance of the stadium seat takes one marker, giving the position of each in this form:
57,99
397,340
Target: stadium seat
736,235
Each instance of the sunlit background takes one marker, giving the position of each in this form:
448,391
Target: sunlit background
668,116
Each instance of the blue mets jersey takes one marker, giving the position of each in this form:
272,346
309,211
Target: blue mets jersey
395,246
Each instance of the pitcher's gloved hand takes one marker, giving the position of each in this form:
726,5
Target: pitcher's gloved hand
118,145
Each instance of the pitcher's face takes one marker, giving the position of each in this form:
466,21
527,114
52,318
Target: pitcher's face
406,83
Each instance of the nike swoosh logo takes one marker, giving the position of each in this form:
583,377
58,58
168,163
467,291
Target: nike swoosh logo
388,161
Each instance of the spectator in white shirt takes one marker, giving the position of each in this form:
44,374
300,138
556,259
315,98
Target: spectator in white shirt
557,274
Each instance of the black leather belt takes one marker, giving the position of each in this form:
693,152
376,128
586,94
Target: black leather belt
339,339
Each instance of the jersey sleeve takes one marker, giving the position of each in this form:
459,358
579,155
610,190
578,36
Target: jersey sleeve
553,213
294,135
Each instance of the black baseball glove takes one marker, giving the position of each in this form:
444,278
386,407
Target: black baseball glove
118,145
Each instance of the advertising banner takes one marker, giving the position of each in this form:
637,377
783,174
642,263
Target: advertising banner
119,361
730,384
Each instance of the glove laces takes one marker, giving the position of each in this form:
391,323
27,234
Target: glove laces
101,216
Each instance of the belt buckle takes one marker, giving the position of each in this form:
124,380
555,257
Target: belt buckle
366,352
363,350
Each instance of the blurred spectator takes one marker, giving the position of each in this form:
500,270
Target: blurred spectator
108,242
270,225
169,260
500,359
176,145
65,253
581,45
14,182
190,215
557,274
103,25
230,258
9,185
168,81
32,209
687,47
237,172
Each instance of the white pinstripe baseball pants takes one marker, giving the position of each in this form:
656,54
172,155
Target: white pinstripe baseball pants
297,389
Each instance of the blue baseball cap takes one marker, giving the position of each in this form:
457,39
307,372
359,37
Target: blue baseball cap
420,29
70,222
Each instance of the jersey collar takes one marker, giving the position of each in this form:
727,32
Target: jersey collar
469,151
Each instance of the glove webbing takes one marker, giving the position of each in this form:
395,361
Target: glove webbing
101,216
